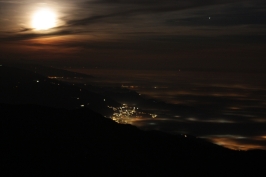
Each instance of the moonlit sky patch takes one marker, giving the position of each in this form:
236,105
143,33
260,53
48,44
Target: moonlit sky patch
174,34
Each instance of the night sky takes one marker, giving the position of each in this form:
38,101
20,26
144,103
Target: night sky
146,34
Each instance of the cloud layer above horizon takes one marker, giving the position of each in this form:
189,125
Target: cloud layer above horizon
145,29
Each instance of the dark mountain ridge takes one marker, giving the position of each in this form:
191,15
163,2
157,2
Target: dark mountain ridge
18,86
42,141
50,71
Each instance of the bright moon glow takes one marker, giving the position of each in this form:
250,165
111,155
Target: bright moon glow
44,19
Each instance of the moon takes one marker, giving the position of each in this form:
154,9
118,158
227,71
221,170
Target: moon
44,19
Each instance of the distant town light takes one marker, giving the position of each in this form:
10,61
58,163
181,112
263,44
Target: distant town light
153,115
37,81
82,105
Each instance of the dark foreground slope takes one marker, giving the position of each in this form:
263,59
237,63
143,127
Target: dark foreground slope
42,141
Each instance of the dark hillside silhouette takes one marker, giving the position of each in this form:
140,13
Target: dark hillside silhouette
51,71
44,141
19,86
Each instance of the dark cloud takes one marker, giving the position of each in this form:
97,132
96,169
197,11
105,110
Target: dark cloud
164,6
176,31
228,16
25,29
34,35
173,14
184,3
151,14
95,19
122,8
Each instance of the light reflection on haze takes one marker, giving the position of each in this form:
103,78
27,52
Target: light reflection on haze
212,105
234,143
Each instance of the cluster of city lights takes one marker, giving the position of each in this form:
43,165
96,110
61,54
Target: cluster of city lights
125,114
